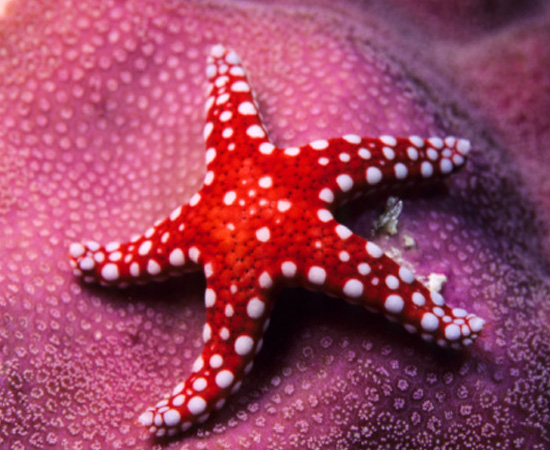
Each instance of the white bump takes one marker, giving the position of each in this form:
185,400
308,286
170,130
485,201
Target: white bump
292,151
436,142
208,130
200,384
388,140
195,199
86,263
418,299
394,304
265,182
194,254
352,138
344,157
326,195
401,171
476,324
283,205
392,282
345,182
255,308
216,361
459,312
112,246
426,169
319,144
289,269
265,280
353,288
115,256
153,267
437,298
412,153
432,154
429,322
364,153
146,419
145,248
374,175
134,269
198,364
344,256
373,250
208,178
388,153
178,400
232,58
452,332
363,269
316,275
227,133
237,71
208,104
229,197
263,234
210,155
243,345
266,148
196,405
209,297
206,333
224,333
406,275
76,250
221,81
255,131
247,109
93,246
463,146
110,272
446,166
416,141
224,379
229,310
323,161
208,271
458,160
211,71
240,86
217,51
324,215
343,232
176,257
222,99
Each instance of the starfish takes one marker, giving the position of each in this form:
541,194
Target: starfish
263,220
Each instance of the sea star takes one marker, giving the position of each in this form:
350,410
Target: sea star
263,220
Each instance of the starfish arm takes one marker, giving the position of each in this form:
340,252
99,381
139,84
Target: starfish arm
236,317
233,129
161,251
360,272
343,166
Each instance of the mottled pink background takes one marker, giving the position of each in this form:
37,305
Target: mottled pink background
101,115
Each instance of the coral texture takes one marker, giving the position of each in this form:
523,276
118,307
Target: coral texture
101,122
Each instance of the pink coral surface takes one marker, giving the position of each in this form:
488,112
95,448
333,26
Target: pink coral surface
101,116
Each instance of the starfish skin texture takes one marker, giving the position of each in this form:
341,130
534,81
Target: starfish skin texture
263,219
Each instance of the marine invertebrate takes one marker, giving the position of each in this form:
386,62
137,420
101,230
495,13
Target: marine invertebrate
263,219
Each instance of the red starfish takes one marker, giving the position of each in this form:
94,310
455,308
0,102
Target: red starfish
263,220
